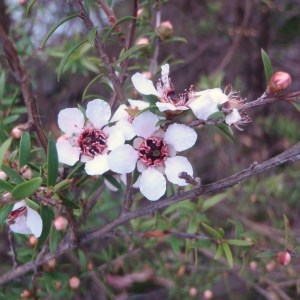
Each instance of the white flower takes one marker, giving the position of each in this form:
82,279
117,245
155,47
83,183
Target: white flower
205,103
89,141
164,91
154,154
124,120
233,117
24,220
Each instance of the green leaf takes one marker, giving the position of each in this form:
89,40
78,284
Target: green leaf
68,202
52,161
296,105
228,254
4,185
239,242
219,252
66,57
2,85
266,254
129,52
3,150
26,189
111,179
54,239
29,6
267,64
212,231
54,27
212,201
91,36
25,147
5,211
62,185
227,131
12,174
89,85
47,216
120,21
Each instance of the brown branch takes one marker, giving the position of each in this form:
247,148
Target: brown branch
292,154
23,79
99,45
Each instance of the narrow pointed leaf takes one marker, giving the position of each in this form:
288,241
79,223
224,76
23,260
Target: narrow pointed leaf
219,252
25,147
228,254
52,162
239,242
212,231
47,216
91,35
12,174
267,64
26,189
5,211
212,201
89,85
3,150
29,6
66,57
54,27
6,186
129,52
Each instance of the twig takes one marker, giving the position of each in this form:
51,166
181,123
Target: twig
12,249
23,78
292,154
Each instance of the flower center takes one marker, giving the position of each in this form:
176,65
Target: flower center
22,211
92,142
153,151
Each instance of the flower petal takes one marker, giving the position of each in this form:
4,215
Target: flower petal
145,124
98,112
174,166
165,71
123,159
34,222
115,137
20,226
67,154
233,117
19,204
217,95
98,165
180,136
138,104
144,85
152,184
70,120
126,128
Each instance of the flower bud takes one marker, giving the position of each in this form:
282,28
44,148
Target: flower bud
278,82
165,30
284,257
140,13
6,197
26,172
74,282
50,265
16,132
60,223
26,294
3,175
208,294
32,241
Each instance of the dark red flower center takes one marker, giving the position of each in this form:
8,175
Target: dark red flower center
153,151
92,142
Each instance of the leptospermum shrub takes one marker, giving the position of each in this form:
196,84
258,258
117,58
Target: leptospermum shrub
113,156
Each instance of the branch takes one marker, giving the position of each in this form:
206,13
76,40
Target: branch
23,78
292,154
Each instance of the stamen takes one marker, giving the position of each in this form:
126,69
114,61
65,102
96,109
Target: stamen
153,151
92,142
22,211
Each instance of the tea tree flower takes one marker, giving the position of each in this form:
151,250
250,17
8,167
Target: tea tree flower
25,220
89,141
154,155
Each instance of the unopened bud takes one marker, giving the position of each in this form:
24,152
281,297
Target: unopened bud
26,294
3,175
284,257
60,223
26,172
6,197
32,241
208,294
140,13
165,30
50,265
142,41
253,265
16,132
193,292
74,282
278,82
271,266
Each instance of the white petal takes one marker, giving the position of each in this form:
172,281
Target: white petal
98,112
165,71
180,136
152,184
20,226
145,124
203,106
71,120
120,114
233,117
163,106
144,85
138,104
123,159
174,166
98,165
19,204
34,222
115,137
217,95
67,154
126,128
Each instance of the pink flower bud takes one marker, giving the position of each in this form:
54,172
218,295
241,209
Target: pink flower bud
60,223
165,30
142,41
32,241
284,257
74,282
26,172
6,197
278,82
140,13
3,176
208,294
16,132
50,265
193,292
26,294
